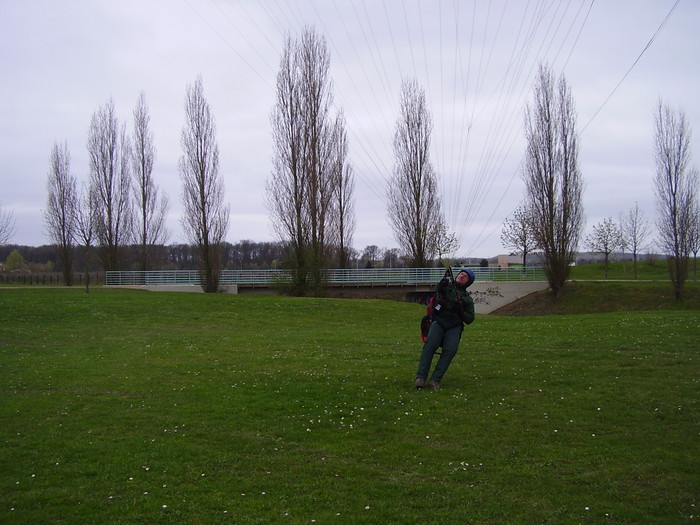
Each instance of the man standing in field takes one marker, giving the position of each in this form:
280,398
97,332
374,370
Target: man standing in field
453,307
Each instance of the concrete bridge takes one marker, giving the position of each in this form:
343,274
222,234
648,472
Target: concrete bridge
493,288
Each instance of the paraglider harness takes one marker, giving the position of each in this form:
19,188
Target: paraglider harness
433,305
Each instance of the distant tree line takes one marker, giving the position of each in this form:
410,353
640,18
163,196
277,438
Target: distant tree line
243,255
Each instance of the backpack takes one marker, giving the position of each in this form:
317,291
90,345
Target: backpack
427,319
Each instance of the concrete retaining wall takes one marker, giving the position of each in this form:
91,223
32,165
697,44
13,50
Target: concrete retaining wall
489,296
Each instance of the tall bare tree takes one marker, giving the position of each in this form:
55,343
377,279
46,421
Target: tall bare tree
61,210
302,190
605,238
414,205
110,178
552,176
676,185
151,207
345,200
635,230
321,152
518,234
7,225
87,219
205,218
287,186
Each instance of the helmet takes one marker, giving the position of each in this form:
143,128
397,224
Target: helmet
471,275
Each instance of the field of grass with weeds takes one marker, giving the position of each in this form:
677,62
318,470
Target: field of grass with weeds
647,269
124,406
605,297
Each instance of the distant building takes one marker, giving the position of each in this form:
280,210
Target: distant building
504,261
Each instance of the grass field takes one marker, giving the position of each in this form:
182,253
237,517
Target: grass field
656,269
123,406
605,297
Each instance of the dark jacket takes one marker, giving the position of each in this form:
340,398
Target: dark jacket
453,305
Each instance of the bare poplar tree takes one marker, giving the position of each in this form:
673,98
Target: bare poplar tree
414,205
319,161
635,230
7,225
61,210
345,201
286,188
676,184
605,239
518,234
552,176
86,225
205,218
110,178
302,191
150,206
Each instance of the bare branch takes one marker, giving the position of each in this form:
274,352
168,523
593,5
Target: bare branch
7,225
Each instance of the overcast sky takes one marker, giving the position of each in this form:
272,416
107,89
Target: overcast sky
476,60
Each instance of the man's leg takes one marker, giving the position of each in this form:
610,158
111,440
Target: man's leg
432,343
450,344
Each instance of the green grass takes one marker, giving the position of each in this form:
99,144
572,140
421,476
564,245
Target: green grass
655,270
606,296
135,407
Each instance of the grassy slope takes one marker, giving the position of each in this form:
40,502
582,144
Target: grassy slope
134,407
646,270
589,292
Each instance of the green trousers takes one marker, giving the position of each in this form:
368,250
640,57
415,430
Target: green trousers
438,337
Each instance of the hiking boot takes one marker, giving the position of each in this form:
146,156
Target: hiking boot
435,385
420,382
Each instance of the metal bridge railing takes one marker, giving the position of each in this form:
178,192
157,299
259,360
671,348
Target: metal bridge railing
342,277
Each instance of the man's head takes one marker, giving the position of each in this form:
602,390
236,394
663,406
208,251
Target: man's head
465,277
